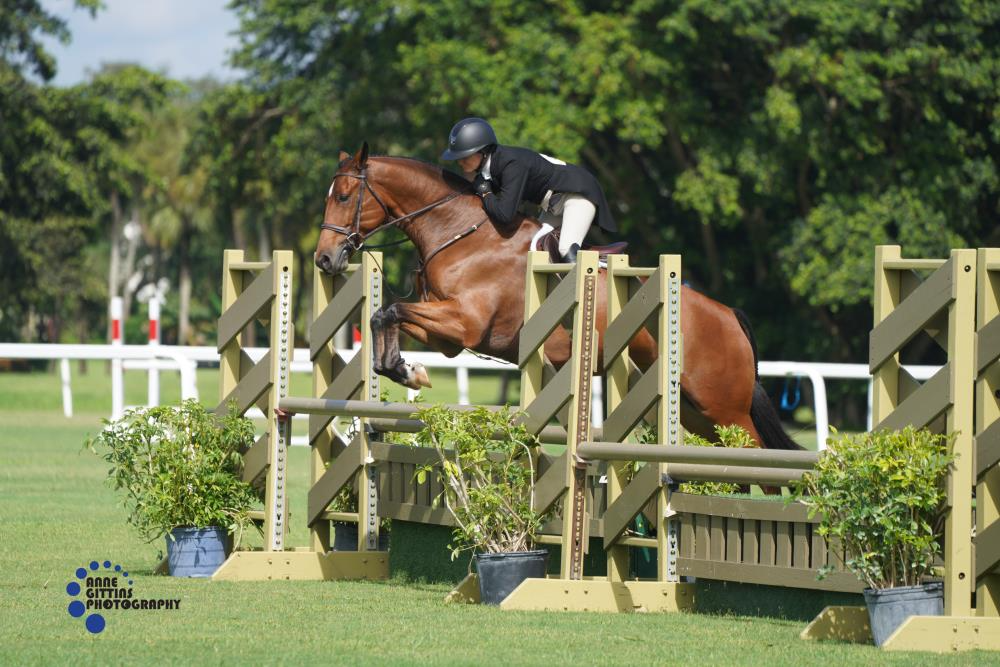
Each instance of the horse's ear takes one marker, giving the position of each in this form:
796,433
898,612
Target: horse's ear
361,157
344,155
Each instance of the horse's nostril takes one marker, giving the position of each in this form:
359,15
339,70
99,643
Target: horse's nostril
323,261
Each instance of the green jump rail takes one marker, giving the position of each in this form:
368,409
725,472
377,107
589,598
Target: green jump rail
390,417
710,464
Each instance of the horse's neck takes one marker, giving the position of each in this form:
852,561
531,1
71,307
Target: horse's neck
438,226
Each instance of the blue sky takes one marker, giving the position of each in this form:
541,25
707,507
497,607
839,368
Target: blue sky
188,38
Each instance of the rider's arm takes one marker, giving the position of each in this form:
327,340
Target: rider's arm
502,206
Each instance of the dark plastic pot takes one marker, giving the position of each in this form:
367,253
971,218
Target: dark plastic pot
345,537
500,574
889,607
196,552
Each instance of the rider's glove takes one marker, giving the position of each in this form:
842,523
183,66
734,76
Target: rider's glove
482,186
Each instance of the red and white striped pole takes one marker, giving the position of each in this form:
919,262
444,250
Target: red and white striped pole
153,387
117,388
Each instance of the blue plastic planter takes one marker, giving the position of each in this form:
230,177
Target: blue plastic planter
500,574
196,552
345,537
889,607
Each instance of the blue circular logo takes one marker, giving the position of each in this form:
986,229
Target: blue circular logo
94,622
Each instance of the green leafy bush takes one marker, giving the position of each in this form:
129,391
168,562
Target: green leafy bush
179,467
728,436
486,467
882,495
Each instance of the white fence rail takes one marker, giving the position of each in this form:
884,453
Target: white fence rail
172,357
184,359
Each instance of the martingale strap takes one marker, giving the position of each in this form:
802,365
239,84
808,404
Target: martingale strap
422,265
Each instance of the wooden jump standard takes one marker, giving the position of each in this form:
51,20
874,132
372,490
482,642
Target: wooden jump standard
956,302
261,292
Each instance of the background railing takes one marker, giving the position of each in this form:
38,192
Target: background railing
184,359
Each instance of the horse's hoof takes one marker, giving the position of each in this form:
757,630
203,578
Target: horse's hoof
419,375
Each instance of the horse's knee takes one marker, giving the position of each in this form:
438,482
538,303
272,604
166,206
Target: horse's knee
385,316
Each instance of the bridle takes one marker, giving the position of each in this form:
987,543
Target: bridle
355,238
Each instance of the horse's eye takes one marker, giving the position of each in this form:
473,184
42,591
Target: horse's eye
343,198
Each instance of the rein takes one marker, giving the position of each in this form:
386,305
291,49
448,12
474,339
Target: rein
356,239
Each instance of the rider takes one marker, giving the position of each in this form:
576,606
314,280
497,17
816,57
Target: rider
506,176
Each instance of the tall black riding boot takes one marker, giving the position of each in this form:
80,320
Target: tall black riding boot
570,256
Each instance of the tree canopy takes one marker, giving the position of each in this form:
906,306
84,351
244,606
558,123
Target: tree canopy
772,143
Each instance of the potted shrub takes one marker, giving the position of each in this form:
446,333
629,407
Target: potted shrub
882,495
345,533
179,470
485,466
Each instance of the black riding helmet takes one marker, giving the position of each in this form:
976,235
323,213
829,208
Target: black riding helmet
467,137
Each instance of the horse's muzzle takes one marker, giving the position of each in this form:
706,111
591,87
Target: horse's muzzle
333,261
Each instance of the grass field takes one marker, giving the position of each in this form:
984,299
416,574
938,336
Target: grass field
59,515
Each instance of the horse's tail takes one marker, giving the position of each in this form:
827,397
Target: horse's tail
762,413
744,321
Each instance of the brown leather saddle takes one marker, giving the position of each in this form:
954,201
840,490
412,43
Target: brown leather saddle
550,243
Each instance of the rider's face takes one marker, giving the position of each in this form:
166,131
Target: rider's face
471,163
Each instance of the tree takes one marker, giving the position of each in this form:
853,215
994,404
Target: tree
773,144
62,159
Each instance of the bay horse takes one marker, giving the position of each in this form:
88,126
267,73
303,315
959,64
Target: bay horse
471,283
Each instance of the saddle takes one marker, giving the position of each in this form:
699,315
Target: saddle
550,243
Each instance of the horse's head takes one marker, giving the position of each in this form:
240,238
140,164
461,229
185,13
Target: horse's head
353,212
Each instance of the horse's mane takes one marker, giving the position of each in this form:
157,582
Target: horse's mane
450,178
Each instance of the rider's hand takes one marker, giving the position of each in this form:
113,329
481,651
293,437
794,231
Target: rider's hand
482,186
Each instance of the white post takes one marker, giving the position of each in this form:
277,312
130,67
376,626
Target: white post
871,384
189,386
117,388
153,386
597,402
462,381
820,410
67,392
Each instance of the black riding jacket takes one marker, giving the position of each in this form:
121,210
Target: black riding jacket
519,174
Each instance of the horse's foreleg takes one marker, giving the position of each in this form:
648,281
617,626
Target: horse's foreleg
378,340
387,360
443,324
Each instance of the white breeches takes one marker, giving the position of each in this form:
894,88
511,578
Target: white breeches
573,215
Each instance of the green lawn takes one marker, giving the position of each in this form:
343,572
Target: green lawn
59,515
